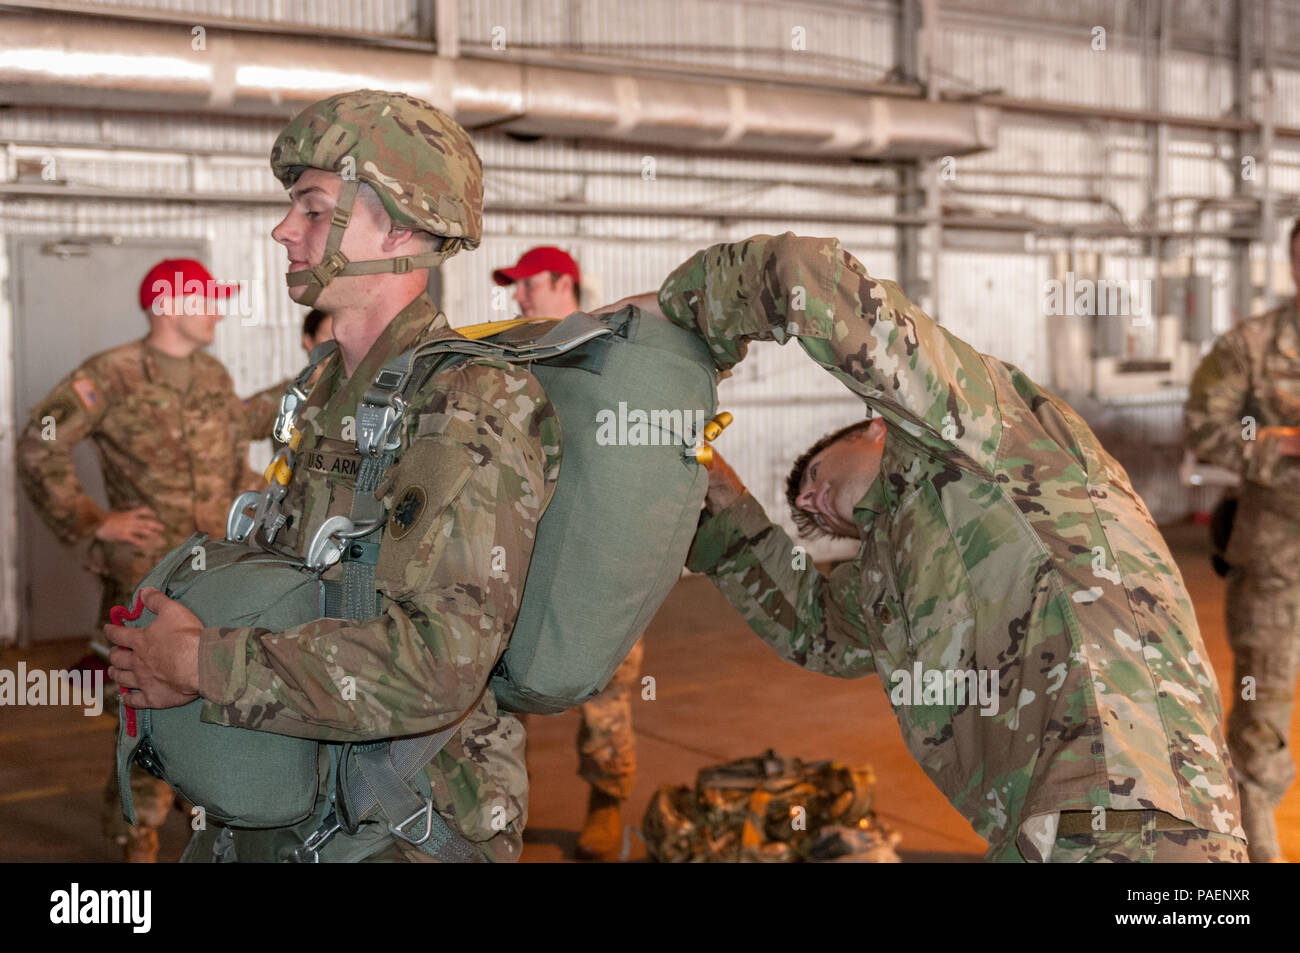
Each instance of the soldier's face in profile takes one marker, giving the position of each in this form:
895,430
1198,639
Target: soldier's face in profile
839,476
304,230
304,233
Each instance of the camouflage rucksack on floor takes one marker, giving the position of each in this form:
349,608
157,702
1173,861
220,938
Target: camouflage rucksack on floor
769,809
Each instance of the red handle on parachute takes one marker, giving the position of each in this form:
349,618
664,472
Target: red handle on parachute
120,615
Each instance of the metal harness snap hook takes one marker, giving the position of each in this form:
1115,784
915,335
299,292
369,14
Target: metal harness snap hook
293,398
238,523
323,551
308,852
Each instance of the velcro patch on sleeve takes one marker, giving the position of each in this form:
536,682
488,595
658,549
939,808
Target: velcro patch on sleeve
86,393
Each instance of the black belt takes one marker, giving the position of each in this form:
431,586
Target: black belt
1081,822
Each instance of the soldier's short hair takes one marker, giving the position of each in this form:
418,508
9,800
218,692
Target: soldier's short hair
1295,231
804,524
369,197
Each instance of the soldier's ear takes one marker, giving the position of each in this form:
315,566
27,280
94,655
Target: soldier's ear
876,429
409,241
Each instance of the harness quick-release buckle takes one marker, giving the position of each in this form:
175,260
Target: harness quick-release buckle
377,425
427,813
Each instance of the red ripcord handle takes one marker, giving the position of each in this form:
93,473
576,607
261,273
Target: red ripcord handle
118,615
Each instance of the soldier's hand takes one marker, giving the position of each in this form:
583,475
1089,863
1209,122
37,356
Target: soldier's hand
138,526
724,486
1288,437
159,663
648,302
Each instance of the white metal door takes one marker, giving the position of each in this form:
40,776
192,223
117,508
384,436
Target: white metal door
71,299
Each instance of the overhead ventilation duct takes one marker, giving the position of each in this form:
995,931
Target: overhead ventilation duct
112,63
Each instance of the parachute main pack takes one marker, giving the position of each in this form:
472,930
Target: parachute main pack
608,549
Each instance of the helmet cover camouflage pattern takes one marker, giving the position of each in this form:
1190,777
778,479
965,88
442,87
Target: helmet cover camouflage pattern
420,161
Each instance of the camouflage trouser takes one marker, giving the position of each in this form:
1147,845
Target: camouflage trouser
606,741
153,797
1264,632
1148,845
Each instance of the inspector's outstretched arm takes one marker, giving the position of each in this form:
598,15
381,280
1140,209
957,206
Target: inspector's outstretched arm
927,384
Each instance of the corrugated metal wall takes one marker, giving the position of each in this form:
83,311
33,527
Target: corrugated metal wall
383,17
827,39
990,285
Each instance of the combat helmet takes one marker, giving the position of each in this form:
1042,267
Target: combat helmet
419,161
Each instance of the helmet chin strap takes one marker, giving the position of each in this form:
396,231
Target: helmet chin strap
335,263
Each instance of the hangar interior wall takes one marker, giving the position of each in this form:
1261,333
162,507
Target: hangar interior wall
206,177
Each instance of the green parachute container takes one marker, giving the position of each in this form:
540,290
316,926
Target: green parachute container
631,392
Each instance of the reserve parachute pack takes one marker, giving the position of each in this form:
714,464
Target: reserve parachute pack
632,393
769,809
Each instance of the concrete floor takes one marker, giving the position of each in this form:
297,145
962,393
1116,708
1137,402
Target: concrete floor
721,694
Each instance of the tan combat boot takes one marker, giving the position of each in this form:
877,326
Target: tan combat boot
142,846
1261,830
602,832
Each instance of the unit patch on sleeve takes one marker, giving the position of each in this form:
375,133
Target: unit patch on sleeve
406,511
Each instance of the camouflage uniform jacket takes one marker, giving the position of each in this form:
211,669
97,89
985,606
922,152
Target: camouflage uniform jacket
999,535
478,464
1252,371
184,455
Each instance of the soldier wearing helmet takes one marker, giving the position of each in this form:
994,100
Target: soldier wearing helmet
383,186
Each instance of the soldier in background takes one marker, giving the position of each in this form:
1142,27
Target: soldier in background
548,284
262,408
169,433
1243,413
1000,544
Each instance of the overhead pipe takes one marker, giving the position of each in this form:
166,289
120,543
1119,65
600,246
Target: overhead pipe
111,63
